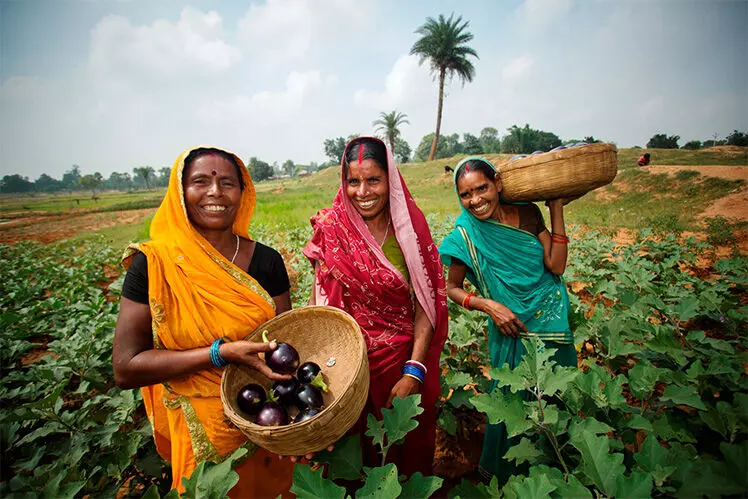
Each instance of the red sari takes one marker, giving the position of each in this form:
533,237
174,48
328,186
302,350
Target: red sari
353,274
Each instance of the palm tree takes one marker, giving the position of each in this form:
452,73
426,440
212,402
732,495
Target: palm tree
388,124
443,43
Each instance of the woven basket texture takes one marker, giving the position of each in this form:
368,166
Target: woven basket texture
318,333
559,174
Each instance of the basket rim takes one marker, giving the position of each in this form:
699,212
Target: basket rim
563,154
247,425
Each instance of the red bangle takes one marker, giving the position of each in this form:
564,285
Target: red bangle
466,301
559,238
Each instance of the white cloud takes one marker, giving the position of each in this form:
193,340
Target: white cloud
268,106
517,68
403,86
190,45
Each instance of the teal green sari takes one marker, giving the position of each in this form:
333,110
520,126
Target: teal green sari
505,264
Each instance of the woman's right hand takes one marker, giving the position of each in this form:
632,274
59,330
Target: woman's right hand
246,352
505,320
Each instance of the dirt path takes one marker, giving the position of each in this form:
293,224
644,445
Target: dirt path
734,205
53,228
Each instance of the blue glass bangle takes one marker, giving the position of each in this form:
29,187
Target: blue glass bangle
415,371
215,354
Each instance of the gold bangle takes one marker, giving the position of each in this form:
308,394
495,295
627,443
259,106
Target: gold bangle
414,377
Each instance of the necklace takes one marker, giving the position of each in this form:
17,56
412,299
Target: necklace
237,248
386,231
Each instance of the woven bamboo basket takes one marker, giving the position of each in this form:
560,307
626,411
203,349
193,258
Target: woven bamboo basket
318,333
559,174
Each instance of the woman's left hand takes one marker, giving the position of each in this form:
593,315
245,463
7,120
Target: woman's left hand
405,386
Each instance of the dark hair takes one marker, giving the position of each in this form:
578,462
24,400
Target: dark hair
205,151
480,165
646,155
372,149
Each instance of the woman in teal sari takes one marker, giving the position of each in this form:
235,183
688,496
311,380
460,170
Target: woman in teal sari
515,263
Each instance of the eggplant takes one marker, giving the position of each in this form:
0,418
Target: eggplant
284,359
251,398
559,148
284,391
309,397
304,415
311,374
272,414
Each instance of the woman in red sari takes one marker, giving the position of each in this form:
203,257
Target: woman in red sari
374,257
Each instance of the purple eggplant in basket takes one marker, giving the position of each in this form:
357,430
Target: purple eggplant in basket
304,415
251,398
284,359
309,397
310,373
284,391
272,414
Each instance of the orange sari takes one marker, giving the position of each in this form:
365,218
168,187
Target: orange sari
196,296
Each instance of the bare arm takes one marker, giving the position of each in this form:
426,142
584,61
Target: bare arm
282,302
136,363
554,254
505,320
423,332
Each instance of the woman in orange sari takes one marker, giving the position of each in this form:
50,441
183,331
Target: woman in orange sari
203,285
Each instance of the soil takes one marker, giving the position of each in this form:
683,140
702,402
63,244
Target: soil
47,229
734,205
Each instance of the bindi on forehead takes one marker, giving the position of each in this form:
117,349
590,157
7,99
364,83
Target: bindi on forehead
213,172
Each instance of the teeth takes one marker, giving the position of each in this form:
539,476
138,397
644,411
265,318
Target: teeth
481,209
367,204
214,207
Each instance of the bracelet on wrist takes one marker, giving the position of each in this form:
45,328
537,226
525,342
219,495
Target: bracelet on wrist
414,371
416,363
466,300
215,352
559,238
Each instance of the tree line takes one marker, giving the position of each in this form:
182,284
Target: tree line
664,141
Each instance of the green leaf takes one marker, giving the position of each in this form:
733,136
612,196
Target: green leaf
213,481
687,308
345,460
571,488
420,487
506,376
650,454
375,429
399,420
683,395
447,421
602,467
308,484
708,478
533,486
523,451
639,422
152,493
559,380
642,378
381,483
507,409
457,379
736,457
635,486
468,490
588,425
67,491
671,429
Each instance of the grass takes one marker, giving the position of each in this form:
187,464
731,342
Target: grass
13,206
635,199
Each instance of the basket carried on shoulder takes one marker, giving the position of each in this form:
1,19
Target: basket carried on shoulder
559,174
318,333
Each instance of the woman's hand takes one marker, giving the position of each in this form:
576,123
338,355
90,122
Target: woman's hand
561,202
405,386
505,320
245,352
308,457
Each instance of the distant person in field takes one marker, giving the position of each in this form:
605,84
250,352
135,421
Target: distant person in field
373,257
515,263
643,159
199,282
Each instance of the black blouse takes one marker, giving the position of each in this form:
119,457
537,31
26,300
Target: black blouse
266,267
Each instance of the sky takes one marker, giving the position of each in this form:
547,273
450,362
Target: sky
115,84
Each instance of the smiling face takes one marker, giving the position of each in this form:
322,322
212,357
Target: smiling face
368,188
212,192
479,194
